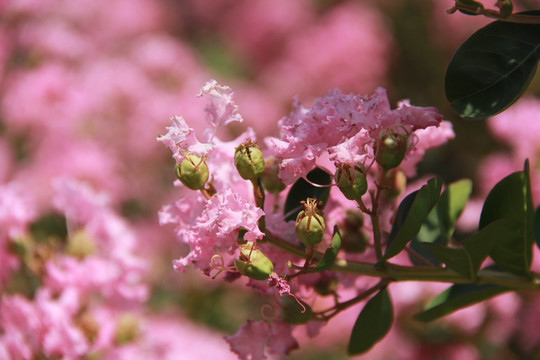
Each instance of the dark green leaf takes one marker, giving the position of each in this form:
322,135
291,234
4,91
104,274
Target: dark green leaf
430,232
492,68
479,245
414,216
511,200
466,261
537,226
439,226
457,297
451,204
374,321
330,253
455,259
301,190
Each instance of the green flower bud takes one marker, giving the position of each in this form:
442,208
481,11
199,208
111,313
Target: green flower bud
394,183
310,224
354,241
127,329
351,182
353,238
270,180
253,263
249,160
80,245
291,311
192,172
391,148
354,219
326,286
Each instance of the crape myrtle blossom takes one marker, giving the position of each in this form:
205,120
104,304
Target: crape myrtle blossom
219,111
348,128
111,265
210,225
217,218
16,212
216,228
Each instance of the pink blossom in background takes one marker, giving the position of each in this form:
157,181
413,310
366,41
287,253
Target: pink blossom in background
113,268
17,210
450,30
348,48
270,24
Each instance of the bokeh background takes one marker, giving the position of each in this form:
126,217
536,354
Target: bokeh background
87,86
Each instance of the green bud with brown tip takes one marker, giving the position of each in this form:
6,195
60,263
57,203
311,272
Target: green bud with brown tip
253,263
310,225
392,147
270,180
249,160
192,172
351,181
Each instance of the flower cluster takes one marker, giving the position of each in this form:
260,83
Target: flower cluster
230,218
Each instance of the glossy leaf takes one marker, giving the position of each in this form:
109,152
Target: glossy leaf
511,200
373,323
410,216
330,253
457,297
301,190
492,68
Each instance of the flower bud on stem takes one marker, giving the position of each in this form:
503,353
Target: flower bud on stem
249,160
310,225
192,172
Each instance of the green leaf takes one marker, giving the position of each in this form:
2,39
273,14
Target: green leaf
492,68
479,245
455,259
466,261
330,253
451,204
537,226
430,232
373,323
410,216
511,200
301,190
457,297
439,225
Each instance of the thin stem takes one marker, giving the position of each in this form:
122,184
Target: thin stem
206,194
374,215
258,193
339,307
494,14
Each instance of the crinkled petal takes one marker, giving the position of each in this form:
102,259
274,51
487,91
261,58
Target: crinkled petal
250,340
221,109
181,138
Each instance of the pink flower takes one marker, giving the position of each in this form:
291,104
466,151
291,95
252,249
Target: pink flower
216,228
347,127
181,138
221,108
112,269
254,337
348,47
